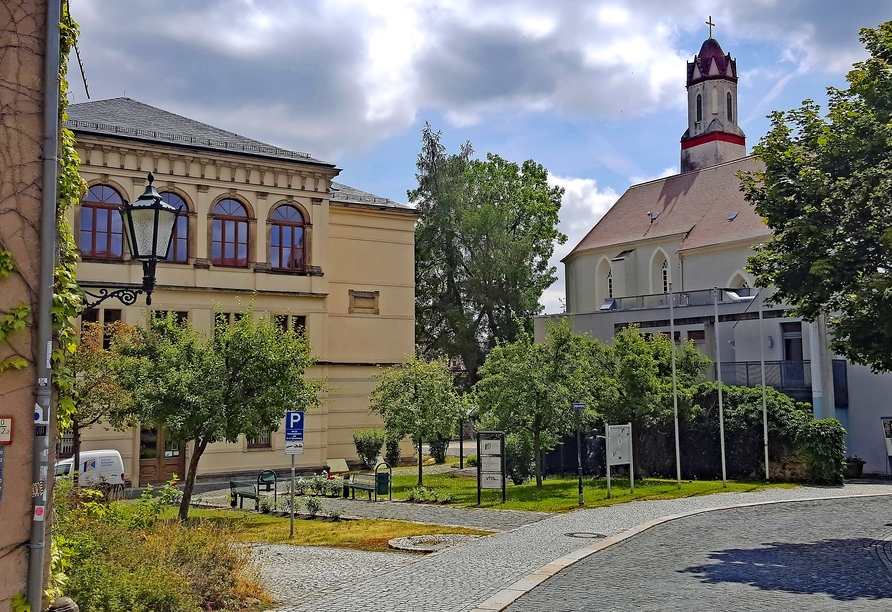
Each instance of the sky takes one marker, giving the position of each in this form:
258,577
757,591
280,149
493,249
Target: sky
592,90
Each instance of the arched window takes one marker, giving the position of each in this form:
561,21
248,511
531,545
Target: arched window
699,107
610,285
728,104
179,242
664,275
286,239
230,234
715,100
101,231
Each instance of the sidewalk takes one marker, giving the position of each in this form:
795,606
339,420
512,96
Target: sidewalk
462,577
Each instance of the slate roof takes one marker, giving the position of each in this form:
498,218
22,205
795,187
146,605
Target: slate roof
350,195
709,51
127,118
697,204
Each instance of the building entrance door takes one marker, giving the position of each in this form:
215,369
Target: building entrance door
159,459
793,366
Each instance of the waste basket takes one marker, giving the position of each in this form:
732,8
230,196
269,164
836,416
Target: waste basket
382,483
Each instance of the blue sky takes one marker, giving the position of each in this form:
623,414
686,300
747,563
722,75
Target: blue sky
593,90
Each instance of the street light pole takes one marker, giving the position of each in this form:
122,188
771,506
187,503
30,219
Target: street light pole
579,453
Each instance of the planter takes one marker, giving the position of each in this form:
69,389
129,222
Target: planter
853,469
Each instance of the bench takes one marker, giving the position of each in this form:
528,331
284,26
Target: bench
238,491
363,482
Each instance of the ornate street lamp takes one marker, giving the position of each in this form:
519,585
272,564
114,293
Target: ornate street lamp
148,223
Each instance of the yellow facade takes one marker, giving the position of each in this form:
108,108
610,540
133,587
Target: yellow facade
355,289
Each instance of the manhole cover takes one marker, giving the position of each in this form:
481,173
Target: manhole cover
583,534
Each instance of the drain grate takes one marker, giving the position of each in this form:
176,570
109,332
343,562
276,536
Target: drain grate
585,535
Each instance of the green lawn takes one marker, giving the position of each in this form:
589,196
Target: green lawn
561,494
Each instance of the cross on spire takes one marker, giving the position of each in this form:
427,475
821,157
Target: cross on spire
710,24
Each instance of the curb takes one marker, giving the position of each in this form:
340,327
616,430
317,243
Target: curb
510,594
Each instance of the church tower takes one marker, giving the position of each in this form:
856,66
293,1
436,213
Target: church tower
713,135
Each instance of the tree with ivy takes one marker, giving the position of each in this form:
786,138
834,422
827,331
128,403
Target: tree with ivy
416,399
482,246
826,193
204,389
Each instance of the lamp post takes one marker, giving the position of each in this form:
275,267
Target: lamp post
578,407
149,223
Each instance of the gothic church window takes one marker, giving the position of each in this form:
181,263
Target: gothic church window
664,275
715,100
699,107
610,285
728,104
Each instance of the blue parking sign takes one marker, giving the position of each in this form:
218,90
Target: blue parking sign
294,426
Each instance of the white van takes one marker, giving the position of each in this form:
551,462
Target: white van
96,467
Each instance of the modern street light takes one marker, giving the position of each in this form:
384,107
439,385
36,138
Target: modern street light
578,407
149,223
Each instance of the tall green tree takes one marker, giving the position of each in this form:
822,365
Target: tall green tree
528,388
826,192
487,231
202,389
416,399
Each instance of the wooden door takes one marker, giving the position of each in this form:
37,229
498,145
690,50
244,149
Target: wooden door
159,459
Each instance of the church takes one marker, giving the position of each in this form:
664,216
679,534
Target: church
257,223
686,238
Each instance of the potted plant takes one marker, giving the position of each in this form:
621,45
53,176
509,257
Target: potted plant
854,467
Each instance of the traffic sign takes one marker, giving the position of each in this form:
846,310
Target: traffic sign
578,406
295,447
294,427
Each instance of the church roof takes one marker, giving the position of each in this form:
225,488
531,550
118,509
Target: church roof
702,67
127,118
699,205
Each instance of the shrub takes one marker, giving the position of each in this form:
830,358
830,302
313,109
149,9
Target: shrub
438,447
471,461
265,504
318,484
393,452
426,494
314,506
519,457
823,442
334,514
368,444
166,565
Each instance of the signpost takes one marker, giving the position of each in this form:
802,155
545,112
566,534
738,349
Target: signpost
294,445
491,462
619,451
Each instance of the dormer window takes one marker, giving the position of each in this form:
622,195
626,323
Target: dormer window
728,105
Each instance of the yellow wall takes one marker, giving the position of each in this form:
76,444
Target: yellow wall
352,247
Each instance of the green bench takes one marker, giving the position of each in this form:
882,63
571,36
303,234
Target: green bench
238,491
379,483
363,482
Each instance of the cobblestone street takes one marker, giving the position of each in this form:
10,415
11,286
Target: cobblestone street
821,555
463,577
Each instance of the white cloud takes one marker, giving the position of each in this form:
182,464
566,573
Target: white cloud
644,179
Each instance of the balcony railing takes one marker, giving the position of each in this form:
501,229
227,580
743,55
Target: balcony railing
701,297
790,377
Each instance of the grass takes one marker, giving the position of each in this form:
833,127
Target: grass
365,534
562,494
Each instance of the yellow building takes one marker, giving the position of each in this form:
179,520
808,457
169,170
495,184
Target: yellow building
258,222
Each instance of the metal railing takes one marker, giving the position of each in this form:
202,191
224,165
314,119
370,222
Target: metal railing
790,377
700,297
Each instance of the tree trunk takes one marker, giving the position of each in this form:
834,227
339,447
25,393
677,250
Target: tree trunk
538,460
76,453
420,458
189,483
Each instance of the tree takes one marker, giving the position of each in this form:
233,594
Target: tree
527,388
637,384
208,389
95,392
826,192
417,399
482,247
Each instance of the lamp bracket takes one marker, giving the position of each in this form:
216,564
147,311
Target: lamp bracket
126,295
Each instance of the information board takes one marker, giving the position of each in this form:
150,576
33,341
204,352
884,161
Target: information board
490,462
619,444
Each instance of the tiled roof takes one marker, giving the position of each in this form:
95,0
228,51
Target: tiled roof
351,195
698,204
128,118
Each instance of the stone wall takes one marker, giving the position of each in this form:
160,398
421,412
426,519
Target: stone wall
22,45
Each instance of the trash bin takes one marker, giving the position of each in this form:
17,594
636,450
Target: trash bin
382,483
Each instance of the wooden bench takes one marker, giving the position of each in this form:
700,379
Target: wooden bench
363,482
238,491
